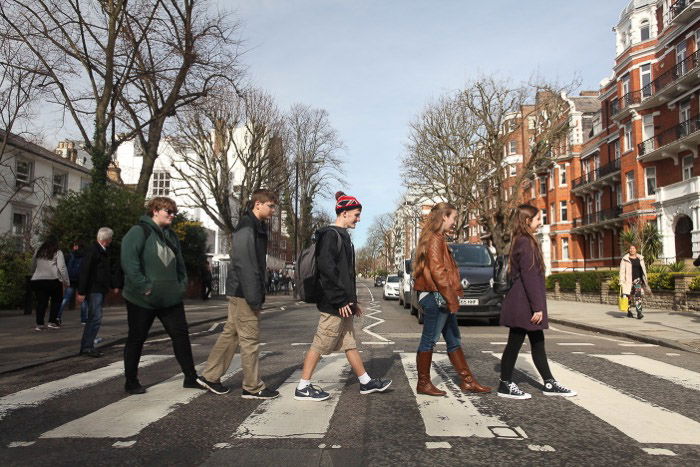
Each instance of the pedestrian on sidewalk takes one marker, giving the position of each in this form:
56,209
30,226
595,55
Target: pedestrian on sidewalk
524,309
338,303
98,275
75,260
206,279
49,277
437,282
245,290
633,280
155,282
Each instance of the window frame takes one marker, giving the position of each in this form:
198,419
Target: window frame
644,25
563,211
59,189
687,167
645,73
21,182
627,134
512,147
647,178
161,183
562,175
630,180
565,255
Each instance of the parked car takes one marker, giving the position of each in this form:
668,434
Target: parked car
476,269
391,288
379,281
405,284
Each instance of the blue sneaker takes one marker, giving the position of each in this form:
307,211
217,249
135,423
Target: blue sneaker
310,393
375,385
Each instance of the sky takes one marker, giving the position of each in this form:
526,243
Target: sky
374,65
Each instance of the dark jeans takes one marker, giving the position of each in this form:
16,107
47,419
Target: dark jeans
94,320
140,322
67,296
438,321
516,337
47,290
206,290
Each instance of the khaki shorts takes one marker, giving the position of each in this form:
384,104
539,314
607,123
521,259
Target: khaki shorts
334,334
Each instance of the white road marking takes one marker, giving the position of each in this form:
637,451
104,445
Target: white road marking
579,353
457,414
222,445
500,343
286,417
283,308
584,335
32,397
371,295
541,447
650,424
336,446
437,445
397,351
127,417
632,344
375,308
321,446
677,375
671,354
628,353
124,444
659,451
379,343
576,344
20,444
213,326
295,344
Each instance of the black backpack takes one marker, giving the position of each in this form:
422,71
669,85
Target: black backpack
306,275
502,278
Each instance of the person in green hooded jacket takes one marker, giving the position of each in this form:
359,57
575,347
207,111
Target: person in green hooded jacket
155,281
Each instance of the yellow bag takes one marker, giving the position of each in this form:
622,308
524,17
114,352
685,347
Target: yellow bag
623,302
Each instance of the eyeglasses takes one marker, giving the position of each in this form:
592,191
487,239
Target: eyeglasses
171,212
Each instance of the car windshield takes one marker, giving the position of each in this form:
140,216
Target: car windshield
467,255
392,279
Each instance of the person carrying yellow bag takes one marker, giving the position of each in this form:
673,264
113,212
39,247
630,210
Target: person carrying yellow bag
633,281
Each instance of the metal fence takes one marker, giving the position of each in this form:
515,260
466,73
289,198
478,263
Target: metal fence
219,272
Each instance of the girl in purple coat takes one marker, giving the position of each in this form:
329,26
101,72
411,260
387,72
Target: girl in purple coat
525,307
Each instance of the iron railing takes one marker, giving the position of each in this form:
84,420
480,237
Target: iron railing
598,217
675,133
596,174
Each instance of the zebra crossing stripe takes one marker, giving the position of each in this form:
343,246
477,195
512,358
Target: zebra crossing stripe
286,417
127,417
640,420
457,414
32,397
681,376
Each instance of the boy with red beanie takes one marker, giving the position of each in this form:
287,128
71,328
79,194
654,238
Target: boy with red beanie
338,303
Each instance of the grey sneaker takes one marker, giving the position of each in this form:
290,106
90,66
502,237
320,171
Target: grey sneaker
311,393
375,385
264,394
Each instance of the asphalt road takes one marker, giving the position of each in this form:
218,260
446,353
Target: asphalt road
637,404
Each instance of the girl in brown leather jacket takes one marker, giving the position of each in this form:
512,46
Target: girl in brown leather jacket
437,282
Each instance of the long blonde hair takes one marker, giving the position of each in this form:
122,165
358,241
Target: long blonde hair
431,225
523,215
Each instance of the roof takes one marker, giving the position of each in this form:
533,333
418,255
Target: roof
633,5
21,143
586,104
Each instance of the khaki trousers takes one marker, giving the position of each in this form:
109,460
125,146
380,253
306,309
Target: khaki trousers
242,328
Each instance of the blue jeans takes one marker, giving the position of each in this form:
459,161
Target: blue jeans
67,296
438,321
92,326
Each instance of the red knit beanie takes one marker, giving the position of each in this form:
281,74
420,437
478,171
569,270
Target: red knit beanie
344,202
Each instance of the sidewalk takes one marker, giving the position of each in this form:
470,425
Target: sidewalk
22,347
674,329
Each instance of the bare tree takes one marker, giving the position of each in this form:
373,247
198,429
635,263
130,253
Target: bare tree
457,149
382,235
313,146
227,147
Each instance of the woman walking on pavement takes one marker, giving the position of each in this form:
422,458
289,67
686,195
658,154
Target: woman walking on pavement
49,276
437,281
633,280
524,309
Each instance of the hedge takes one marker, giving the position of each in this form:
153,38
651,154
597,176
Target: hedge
590,280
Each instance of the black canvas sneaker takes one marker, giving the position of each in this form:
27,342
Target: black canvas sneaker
214,386
311,393
553,388
264,394
511,391
375,385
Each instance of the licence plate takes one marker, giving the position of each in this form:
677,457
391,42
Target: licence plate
468,301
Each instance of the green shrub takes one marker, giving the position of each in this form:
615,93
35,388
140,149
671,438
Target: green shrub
590,281
193,241
14,267
695,284
614,281
661,281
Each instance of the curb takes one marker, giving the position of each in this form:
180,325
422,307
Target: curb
629,335
121,340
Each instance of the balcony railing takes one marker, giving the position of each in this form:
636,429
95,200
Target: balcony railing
675,133
679,70
678,7
625,102
596,174
598,217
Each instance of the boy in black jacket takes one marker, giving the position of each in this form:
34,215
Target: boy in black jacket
338,304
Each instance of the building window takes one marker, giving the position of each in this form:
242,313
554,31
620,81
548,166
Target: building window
543,185
20,223
544,217
562,175
60,183
23,172
513,170
530,123
687,167
647,127
592,246
628,137
645,74
644,31
629,177
680,58
551,178
618,194
84,183
616,149
553,213
161,184
650,177
601,245
563,211
598,201
625,86
512,147
565,248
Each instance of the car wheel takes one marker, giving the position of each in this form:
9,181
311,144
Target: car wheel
494,321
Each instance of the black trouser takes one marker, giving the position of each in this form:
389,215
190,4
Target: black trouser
510,354
140,322
206,290
47,290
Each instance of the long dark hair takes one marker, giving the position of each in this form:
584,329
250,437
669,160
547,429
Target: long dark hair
522,216
431,225
48,249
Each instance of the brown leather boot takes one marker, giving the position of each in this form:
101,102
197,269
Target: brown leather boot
468,382
425,385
